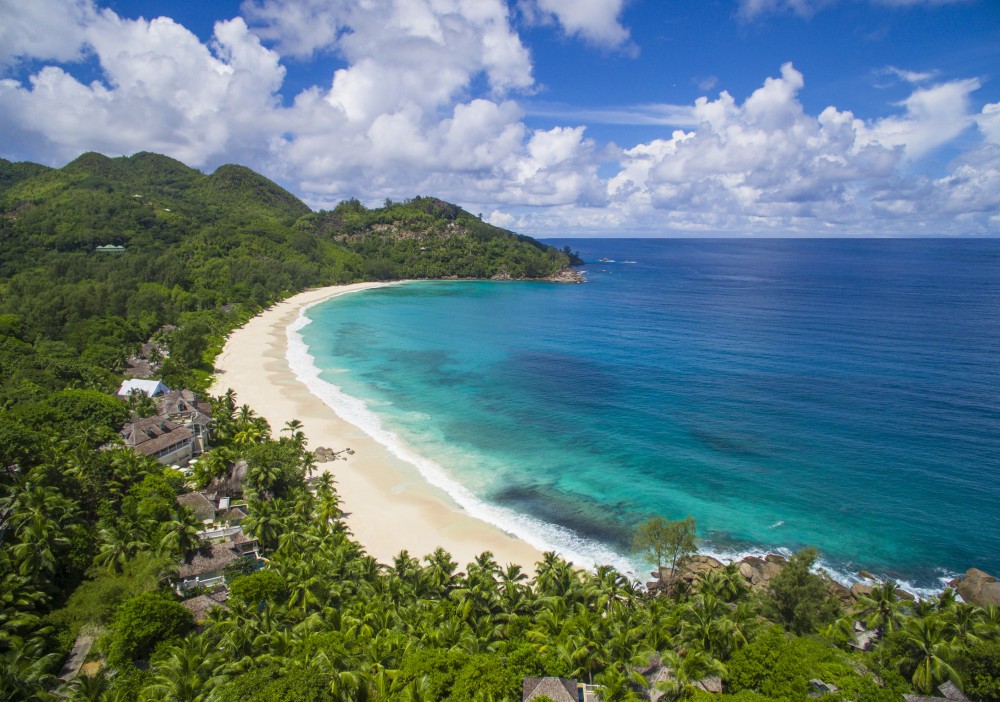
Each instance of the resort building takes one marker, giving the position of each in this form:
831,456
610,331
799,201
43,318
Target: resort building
185,409
151,387
206,568
180,430
557,689
161,439
201,605
200,506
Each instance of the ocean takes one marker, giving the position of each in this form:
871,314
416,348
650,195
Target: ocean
841,394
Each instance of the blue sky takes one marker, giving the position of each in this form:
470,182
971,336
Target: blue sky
551,117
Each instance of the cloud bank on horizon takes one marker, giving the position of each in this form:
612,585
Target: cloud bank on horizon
395,98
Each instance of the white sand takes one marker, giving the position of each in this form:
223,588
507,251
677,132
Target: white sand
390,507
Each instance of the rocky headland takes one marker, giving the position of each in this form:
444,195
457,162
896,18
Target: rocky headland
975,587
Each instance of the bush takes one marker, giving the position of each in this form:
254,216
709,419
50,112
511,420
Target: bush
264,585
239,568
980,668
142,623
798,599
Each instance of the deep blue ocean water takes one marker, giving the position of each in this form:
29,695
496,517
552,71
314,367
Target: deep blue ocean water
841,394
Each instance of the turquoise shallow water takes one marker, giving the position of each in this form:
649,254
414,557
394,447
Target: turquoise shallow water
840,394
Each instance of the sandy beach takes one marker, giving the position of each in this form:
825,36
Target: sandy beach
389,506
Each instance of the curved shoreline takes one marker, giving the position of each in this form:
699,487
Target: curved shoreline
391,502
390,506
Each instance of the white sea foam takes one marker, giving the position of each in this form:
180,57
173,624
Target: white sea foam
540,534
838,574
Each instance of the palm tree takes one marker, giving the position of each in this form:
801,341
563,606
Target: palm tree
121,541
88,688
988,626
245,415
882,609
180,537
187,675
249,434
265,521
706,626
964,619
328,504
40,541
440,572
928,653
28,669
616,684
294,428
686,670
419,690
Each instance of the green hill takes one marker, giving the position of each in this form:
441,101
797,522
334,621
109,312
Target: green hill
192,249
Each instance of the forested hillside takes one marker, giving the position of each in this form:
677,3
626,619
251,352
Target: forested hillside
202,253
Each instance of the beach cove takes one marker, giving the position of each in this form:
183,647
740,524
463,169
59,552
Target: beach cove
783,393
388,505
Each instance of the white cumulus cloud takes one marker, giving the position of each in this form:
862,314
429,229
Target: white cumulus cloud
595,21
43,29
427,97
767,165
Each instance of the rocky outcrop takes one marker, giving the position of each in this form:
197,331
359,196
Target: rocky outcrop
693,567
325,455
757,572
860,590
975,587
760,571
567,275
841,593
979,588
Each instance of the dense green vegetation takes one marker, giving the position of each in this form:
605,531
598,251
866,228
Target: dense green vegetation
325,621
90,538
202,254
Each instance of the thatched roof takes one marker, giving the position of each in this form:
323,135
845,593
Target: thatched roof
200,606
558,689
231,485
199,504
951,691
208,559
233,514
184,403
659,673
147,436
948,689
239,538
711,684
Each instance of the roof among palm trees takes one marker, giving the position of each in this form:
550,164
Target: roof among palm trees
184,403
147,436
557,689
948,689
200,606
230,484
202,507
151,387
208,559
